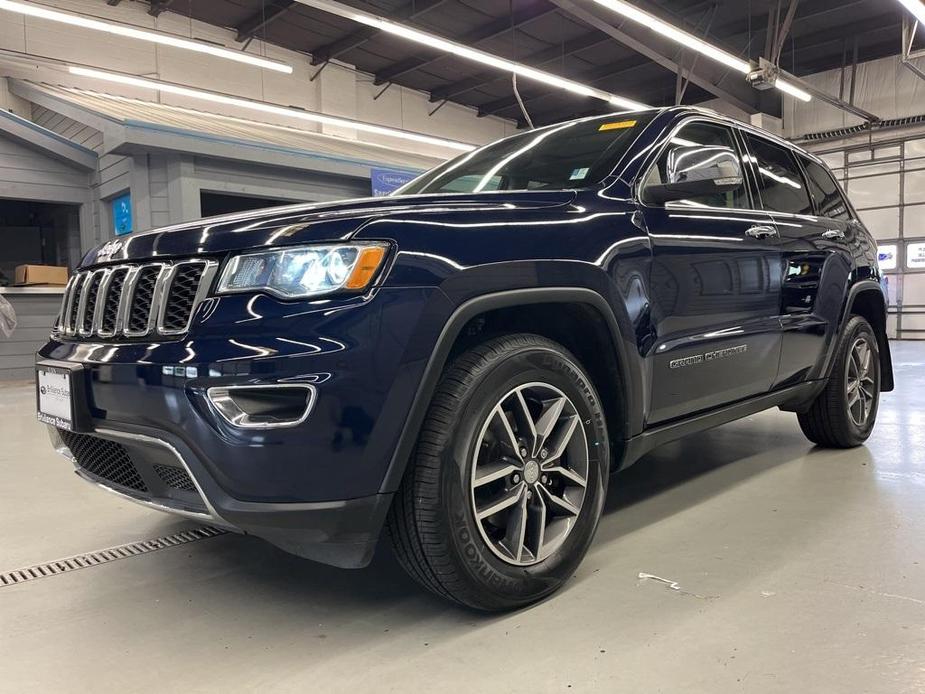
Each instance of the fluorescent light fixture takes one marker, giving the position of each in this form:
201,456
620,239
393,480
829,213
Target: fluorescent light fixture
264,107
793,90
690,41
916,8
141,34
441,44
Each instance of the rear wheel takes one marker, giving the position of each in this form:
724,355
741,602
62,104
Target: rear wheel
843,415
506,486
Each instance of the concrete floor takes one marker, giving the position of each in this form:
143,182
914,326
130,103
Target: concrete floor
800,570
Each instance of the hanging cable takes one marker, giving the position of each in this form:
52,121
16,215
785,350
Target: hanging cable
520,102
523,109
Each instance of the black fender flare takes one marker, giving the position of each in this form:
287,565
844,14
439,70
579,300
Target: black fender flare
630,378
886,360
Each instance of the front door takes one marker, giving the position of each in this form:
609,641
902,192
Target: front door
715,292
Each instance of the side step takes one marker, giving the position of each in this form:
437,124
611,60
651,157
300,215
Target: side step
650,439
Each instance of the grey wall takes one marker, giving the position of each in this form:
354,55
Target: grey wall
26,174
35,314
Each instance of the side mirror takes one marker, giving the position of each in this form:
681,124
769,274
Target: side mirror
697,170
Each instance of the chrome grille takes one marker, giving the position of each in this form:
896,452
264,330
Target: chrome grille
180,297
138,317
113,292
88,299
135,300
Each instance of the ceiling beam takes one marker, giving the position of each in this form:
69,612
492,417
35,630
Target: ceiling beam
731,33
836,35
410,10
271,10
547,55
587,77
553,53
738,92
482,33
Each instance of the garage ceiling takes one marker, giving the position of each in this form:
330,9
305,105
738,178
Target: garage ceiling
543,33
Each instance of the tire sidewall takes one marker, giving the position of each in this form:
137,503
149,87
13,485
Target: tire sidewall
858,328
509,584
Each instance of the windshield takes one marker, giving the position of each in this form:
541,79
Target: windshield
577,154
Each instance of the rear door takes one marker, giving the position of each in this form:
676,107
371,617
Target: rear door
813,222
715,291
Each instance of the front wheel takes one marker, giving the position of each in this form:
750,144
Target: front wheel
507,483
843,415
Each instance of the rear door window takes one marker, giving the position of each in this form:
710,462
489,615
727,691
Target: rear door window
780,182
825,192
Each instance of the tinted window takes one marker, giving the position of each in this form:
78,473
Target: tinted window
825,192
708,134
569,155
780,182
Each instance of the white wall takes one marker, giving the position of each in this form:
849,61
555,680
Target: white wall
883,87
339,90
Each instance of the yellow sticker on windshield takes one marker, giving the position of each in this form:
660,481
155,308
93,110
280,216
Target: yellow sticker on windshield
621,125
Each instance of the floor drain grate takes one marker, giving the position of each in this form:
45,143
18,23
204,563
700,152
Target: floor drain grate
103,556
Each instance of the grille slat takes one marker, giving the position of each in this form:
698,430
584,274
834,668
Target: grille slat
91,292
181,297
133,301
142,299
112,301
75,294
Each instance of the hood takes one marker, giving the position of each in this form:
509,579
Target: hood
310,223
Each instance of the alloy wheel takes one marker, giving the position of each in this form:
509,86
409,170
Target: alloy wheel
860,383
529,473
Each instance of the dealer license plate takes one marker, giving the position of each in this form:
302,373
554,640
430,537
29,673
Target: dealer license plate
55,400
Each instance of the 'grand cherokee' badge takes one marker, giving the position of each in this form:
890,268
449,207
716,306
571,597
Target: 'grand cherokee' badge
708,356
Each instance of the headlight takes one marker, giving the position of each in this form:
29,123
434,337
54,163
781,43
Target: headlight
297,273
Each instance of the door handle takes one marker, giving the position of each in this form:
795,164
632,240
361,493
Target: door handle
760,232
833,234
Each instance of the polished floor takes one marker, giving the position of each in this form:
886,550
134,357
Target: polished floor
786,569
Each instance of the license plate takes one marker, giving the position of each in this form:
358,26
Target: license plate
55,397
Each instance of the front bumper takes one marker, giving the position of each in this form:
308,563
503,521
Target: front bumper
316,489
129,464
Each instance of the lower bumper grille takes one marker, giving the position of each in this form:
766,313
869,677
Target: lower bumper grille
105,459
175,477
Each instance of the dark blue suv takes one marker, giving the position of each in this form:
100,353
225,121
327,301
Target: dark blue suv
465,362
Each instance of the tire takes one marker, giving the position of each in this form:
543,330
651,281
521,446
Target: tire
833,420
433,523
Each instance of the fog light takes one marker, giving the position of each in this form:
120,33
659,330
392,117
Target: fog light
263,407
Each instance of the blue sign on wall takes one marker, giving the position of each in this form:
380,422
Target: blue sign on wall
122,214
385,181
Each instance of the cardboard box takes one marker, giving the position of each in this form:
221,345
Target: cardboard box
40,274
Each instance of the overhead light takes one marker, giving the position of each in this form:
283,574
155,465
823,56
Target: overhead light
142,35
264,107
916,8
442,44
793,90
689,41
